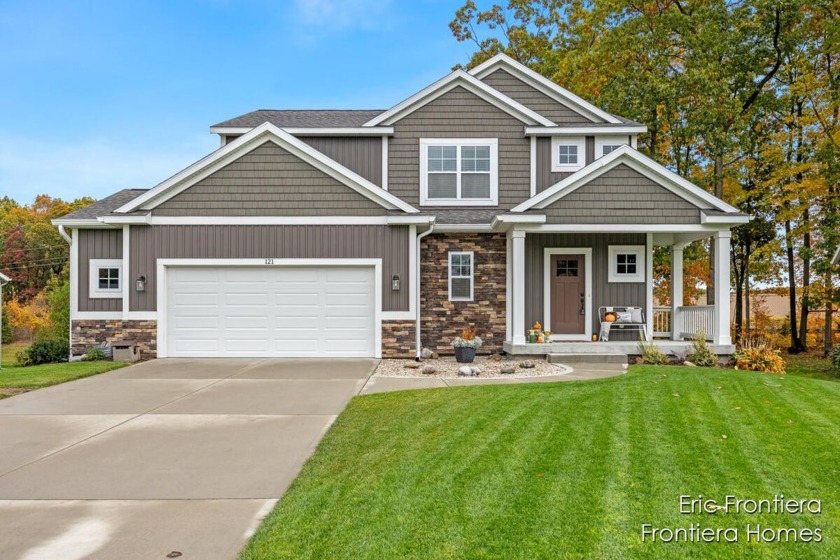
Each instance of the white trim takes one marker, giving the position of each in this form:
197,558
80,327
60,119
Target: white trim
722,243
88,223
623,228
127,283
720,219
459,143
448,83
613,277
549,252
94,291
290,220
544,85
836,258
518,278
556,142
640,163
533,166
140,316
508,287
463,228
583,130
74,275
614,140
97,316
676,288
649,284
309,131
145,219
385,163
163,264
245,144
471,277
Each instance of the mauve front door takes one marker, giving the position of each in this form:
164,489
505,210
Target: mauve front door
567,294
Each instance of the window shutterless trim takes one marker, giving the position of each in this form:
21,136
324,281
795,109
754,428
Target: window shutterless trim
95,265
614,251
492,200
556,142
471,276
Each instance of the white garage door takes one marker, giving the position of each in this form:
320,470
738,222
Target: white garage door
271,311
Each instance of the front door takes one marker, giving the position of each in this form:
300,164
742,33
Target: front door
568,299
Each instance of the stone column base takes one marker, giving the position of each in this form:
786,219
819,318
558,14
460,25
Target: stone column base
86,333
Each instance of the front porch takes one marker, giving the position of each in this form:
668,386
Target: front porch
561,278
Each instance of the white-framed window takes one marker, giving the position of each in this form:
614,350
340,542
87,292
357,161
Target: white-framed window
106,278
606,144
627,263
568,153
461,276
463,171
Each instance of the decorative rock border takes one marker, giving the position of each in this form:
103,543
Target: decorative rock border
488,368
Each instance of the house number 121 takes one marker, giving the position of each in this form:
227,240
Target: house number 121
269,261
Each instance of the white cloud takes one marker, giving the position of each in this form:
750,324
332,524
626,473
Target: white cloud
342,14
91,167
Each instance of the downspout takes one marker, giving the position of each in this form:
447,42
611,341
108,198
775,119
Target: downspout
3,282
69,241
63,234
419,281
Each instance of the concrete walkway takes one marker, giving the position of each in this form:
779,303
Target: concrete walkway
166,456
577,372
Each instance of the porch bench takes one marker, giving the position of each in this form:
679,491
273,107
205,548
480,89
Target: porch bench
639,324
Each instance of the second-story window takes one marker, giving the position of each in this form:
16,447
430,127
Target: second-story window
459,172
568,153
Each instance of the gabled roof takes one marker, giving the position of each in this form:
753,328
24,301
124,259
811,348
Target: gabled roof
546,86
640,163
266,132
104,206
471,84
316,118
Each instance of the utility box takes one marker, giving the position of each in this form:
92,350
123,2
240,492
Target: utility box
125,351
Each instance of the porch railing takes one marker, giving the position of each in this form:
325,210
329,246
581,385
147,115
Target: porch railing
690,320
696,318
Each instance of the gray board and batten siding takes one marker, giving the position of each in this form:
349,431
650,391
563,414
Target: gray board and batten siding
604,293
390,243
362,155
534,99
269,181
545,176
460,114
97,244
622,195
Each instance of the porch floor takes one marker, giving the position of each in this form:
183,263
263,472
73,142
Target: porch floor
612,347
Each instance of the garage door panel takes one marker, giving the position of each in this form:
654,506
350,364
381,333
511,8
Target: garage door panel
271,311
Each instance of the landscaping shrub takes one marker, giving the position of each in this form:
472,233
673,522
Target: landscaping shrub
45,351
835,359
758,355
7,337
701,355
95,354
650,353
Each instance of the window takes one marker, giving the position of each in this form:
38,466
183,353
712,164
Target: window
461,276
105,280
606,144
459,172
627,263
568,153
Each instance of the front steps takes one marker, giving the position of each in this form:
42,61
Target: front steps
588,358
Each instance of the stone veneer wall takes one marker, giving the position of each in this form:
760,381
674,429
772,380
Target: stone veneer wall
444,319
398,339
96,332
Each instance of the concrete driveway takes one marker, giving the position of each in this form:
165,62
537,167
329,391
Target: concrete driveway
176,455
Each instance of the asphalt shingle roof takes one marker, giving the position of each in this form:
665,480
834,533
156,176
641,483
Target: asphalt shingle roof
317,118
105,205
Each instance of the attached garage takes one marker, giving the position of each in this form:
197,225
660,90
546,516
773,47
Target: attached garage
304,309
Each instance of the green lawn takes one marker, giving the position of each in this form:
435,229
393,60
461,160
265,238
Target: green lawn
810,364
15,379
565,470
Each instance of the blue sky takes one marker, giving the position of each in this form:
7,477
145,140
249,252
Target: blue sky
99,96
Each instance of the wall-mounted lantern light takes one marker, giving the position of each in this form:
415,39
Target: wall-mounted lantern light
140,283
395,283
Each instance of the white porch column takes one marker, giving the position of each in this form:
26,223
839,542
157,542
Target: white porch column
518,262
722,239
508,288
676,289
649,284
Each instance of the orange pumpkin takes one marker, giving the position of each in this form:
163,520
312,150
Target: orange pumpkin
537,326
610,317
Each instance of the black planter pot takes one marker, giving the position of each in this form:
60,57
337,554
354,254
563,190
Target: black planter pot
464,355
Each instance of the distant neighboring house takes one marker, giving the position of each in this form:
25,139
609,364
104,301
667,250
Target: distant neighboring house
492,198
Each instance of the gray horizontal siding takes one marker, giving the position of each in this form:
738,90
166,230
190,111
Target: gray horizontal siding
149,243
97,244
545,177
622,196
361,155
269,181
534,99
604,293
460,114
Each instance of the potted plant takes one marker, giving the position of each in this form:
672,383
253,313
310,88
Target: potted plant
465,346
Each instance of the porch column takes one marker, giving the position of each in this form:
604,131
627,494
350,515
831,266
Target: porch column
518,262
508,288
676,289
722,239
649,284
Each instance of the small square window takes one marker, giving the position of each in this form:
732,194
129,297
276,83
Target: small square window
567,155
109,278
627,263
105,278
460,276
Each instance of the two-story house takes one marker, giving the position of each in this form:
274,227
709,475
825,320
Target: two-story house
493,198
